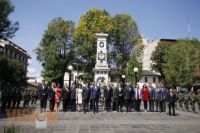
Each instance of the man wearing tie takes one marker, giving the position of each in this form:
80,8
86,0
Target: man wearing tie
86,97
137,98
171,97
94,95
52,96
128,93
163,97
151,97
43,91
65,97
108,93
120,97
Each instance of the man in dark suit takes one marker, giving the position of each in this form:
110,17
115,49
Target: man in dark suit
128,93
73,98
171,97
65,95
86,97
120,97
19,97
164,93
108,93
43,94
94,95
151,97
137,97
52,93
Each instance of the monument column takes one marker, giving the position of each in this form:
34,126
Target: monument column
101,69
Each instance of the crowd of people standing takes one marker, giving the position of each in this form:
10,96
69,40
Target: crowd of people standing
86,97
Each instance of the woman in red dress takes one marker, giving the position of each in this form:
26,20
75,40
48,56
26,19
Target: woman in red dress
145,96
57,97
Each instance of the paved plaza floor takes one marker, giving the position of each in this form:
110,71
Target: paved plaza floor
107,122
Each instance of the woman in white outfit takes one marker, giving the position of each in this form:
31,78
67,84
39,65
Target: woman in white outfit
79,97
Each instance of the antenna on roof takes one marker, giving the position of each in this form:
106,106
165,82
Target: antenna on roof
188,27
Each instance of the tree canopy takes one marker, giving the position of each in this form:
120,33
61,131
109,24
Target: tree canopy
178,63
182,67
158,57
124,38
61,46
12,72
7,27
55,50
94,21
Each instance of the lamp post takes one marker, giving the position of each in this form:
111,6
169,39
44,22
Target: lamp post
123,80
135,71
77,68
70,68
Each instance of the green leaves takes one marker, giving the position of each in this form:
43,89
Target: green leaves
12,72
178,63
55,49
94,21
182,63
158,57
124,39
80,44
7,27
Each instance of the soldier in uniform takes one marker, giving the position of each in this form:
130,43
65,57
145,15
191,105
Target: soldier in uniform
19,97
14,97
33,97
180,99
25,97
193,99
186,100
114,100
4,99
198,99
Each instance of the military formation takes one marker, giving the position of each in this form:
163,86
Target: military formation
189,100
14,98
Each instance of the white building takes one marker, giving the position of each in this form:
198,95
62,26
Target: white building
74,76
149,76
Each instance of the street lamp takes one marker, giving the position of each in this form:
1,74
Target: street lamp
123,80
135,71
77,68
70,68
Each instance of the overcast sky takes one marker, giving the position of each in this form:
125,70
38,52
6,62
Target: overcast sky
156,19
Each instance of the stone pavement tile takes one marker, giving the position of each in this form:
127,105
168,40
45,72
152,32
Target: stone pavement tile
83,129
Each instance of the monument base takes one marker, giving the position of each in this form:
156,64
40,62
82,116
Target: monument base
101,74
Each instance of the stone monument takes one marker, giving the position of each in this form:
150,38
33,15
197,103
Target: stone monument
101,69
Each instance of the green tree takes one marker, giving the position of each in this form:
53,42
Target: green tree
94,21
55,50
7,27
125,38
158,57
133,62
182,63
12,72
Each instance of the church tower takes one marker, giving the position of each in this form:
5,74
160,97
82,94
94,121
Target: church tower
101,69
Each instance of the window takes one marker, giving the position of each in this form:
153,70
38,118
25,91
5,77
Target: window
146,79
154,79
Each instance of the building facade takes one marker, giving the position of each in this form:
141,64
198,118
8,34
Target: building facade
150,76
13,51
